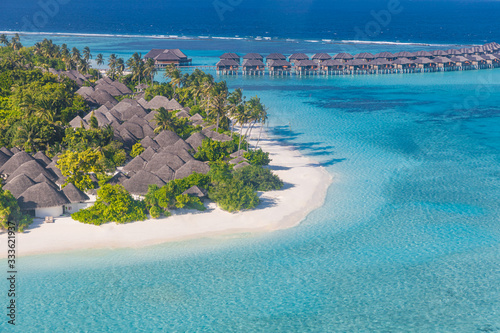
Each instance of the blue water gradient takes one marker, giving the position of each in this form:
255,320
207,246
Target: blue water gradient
408,239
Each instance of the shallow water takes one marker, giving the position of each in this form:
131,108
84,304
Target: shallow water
407,241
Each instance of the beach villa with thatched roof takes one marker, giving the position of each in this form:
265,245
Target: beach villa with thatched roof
43,200
165,57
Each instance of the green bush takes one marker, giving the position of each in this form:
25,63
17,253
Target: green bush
10,212
113,204
258,178
137,150
211,150
155,212
257,157
234,196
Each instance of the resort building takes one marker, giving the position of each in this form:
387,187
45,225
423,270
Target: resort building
165,57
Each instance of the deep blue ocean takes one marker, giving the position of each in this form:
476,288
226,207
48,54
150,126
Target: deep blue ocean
409,237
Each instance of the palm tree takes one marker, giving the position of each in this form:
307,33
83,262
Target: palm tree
86,56
217,104
174,74
136,65
99,61
75,57
4,40
15,42
112,65
150,69
120,66
263,119
164,121
235,101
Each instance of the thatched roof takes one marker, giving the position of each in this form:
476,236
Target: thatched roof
131,111
148,154
41,195
135,165
121,87
402,61
6,151
102,120
423,61
182,114
196,139
343,56
253,56
404,54
158,102
116,115
238,153
178,151
74,194
279,63
18,185
196,191
42,158
253,63
165,173
15,162
138,183
302,63
3,158
127,137
112,118
110,105
241,165
148,130
230,55
103,108
31,169
43,178
118,178
238,160
174,105
275,56
298,56
54,169
321,56
190,167
384,55
143,103
227,63
166,138
133,128
15,150
422,54
196,117
164,158
333,62
439,53
150,116
78,122
102,97
148,142
112,90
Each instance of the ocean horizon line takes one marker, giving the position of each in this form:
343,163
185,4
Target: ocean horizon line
236,37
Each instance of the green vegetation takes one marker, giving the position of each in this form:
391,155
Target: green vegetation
114,204
257,157
234,196
10,212
168,121
137,150
211,150
258,178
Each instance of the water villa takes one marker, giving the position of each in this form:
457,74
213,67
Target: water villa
165,57
474,58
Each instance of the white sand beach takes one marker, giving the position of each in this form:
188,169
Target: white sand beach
306,184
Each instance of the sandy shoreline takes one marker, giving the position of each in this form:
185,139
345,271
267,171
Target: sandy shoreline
306,184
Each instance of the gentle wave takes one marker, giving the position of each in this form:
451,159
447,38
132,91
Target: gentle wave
259,38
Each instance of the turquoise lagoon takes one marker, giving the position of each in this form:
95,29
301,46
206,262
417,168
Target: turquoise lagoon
408,239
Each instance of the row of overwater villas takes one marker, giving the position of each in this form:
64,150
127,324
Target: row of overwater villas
479,57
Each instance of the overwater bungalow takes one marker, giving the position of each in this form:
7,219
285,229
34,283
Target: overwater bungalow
365,55
297,57
227,66
253,56
405,54
230,56
452,52
343,57
381,66
332,67
279,67
440,53
358,66
275,56
165,57
425,64
443,63
423,54
403,65
253,67
320,57
385,55
306,67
